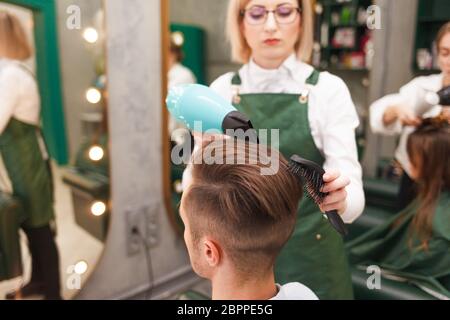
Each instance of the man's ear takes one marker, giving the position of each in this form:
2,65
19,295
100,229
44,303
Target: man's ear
212,252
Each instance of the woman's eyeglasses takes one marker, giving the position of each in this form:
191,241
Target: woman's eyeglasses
257,15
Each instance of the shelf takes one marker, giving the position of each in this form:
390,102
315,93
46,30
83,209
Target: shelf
92,117
426,71
349,25
432,19
337,4
342,49
340,68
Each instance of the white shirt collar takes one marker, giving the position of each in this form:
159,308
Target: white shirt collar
292,73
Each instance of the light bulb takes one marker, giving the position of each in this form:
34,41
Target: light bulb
98,208
81,267
93,95
96,153
178,38
90,35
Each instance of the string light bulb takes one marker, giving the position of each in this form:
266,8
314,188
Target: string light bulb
81,267
93,95
98,208
96,153
90,35
178,38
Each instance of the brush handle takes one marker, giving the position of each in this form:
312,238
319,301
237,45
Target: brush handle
336,221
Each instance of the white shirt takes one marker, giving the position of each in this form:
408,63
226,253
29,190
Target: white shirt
19,98
412,95
332,116
178,74
19,95
294,291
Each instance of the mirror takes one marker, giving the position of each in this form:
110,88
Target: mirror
68,68
186,56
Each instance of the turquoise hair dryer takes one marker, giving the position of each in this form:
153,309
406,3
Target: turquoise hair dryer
196,103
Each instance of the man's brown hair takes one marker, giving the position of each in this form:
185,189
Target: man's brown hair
250,214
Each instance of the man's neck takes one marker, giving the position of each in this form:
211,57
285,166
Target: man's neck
228,286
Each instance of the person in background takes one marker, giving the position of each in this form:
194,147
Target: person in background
400,113
178,75
237,221
26,160
415,243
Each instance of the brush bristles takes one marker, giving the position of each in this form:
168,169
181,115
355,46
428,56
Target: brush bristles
313,181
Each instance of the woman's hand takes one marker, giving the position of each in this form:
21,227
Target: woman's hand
335,185
402,113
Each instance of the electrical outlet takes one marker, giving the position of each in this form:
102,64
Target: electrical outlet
152,232
134,241
142,225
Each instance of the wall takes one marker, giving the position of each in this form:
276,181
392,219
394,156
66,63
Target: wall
394,45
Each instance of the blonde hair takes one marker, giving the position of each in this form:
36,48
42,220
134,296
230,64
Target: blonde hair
442,32
13,39
241,52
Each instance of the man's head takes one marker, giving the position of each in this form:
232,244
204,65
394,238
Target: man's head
235,217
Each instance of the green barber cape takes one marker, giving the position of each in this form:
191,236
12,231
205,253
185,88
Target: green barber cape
398,251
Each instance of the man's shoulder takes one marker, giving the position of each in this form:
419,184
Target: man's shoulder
294,291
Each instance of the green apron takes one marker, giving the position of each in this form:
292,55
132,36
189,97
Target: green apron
28,171
389,248
315,254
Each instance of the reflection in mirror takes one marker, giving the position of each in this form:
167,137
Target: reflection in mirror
185,66
54,206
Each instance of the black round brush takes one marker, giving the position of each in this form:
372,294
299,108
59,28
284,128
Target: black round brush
311,174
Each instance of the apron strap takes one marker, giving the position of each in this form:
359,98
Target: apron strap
313,79
236,80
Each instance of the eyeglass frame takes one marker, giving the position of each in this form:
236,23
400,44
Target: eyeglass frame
243,11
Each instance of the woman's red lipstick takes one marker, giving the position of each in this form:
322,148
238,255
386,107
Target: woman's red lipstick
272,42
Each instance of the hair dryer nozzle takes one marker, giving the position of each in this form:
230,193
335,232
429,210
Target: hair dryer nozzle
241,126
198,107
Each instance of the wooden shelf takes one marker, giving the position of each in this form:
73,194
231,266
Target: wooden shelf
340,68
342,48
331,3
349,25
432,19
426,71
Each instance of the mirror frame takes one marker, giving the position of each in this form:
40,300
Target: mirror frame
166,160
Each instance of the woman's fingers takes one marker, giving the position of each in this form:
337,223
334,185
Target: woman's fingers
340,207
334,181
335,197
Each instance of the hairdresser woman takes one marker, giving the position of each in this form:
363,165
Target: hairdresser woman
314,112
401,113
25,159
